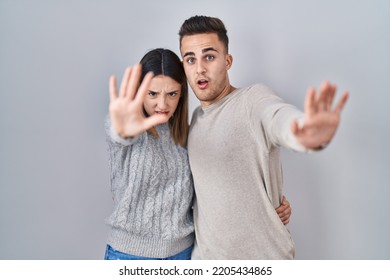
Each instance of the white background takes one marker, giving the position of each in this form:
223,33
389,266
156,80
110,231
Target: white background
55,60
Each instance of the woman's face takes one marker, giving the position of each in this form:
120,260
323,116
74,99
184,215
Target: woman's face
163,96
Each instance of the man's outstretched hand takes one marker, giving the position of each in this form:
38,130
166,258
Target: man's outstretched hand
321,120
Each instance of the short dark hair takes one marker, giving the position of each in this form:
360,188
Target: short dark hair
204,24
165,62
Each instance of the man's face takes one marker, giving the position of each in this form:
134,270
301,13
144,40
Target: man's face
206,63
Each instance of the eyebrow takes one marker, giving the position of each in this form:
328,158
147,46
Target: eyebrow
170,91
203,51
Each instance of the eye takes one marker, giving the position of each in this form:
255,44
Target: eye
209,57
152,93
172,94
190,60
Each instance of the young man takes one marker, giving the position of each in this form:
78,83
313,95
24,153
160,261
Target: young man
234,144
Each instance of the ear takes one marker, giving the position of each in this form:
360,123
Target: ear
229,61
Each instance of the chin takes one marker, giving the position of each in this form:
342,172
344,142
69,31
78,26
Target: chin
204,97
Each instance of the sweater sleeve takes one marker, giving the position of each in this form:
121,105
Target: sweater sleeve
271,117
114,137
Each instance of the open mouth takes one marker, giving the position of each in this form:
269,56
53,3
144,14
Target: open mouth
202,83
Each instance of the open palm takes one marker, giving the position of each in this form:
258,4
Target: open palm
321,120
126,109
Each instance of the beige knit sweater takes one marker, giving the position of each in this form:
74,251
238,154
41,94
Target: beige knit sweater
233,148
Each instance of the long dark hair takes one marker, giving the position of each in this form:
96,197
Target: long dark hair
166,62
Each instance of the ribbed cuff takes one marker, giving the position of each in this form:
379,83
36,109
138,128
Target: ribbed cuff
148,247
118,139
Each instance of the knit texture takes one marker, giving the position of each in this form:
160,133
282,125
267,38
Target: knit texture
152,189
233,148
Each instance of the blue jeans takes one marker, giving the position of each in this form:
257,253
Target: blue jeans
112,254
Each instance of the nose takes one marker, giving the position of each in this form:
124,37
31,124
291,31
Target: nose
200,69
162,102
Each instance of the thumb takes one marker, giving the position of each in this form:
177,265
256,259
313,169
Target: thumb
294,127
154,120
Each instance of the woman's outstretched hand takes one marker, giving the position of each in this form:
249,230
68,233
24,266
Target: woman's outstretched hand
126,108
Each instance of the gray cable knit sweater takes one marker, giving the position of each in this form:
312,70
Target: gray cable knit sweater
152,189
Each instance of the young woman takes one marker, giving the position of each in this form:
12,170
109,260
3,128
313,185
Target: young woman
151,180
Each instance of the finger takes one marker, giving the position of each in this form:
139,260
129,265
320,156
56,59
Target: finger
295,128
134,81
112,88
125,81
155,120
342,102
285,201
322,99
285,215
280,209
285,218
283,209
144,87
310,102
330,97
